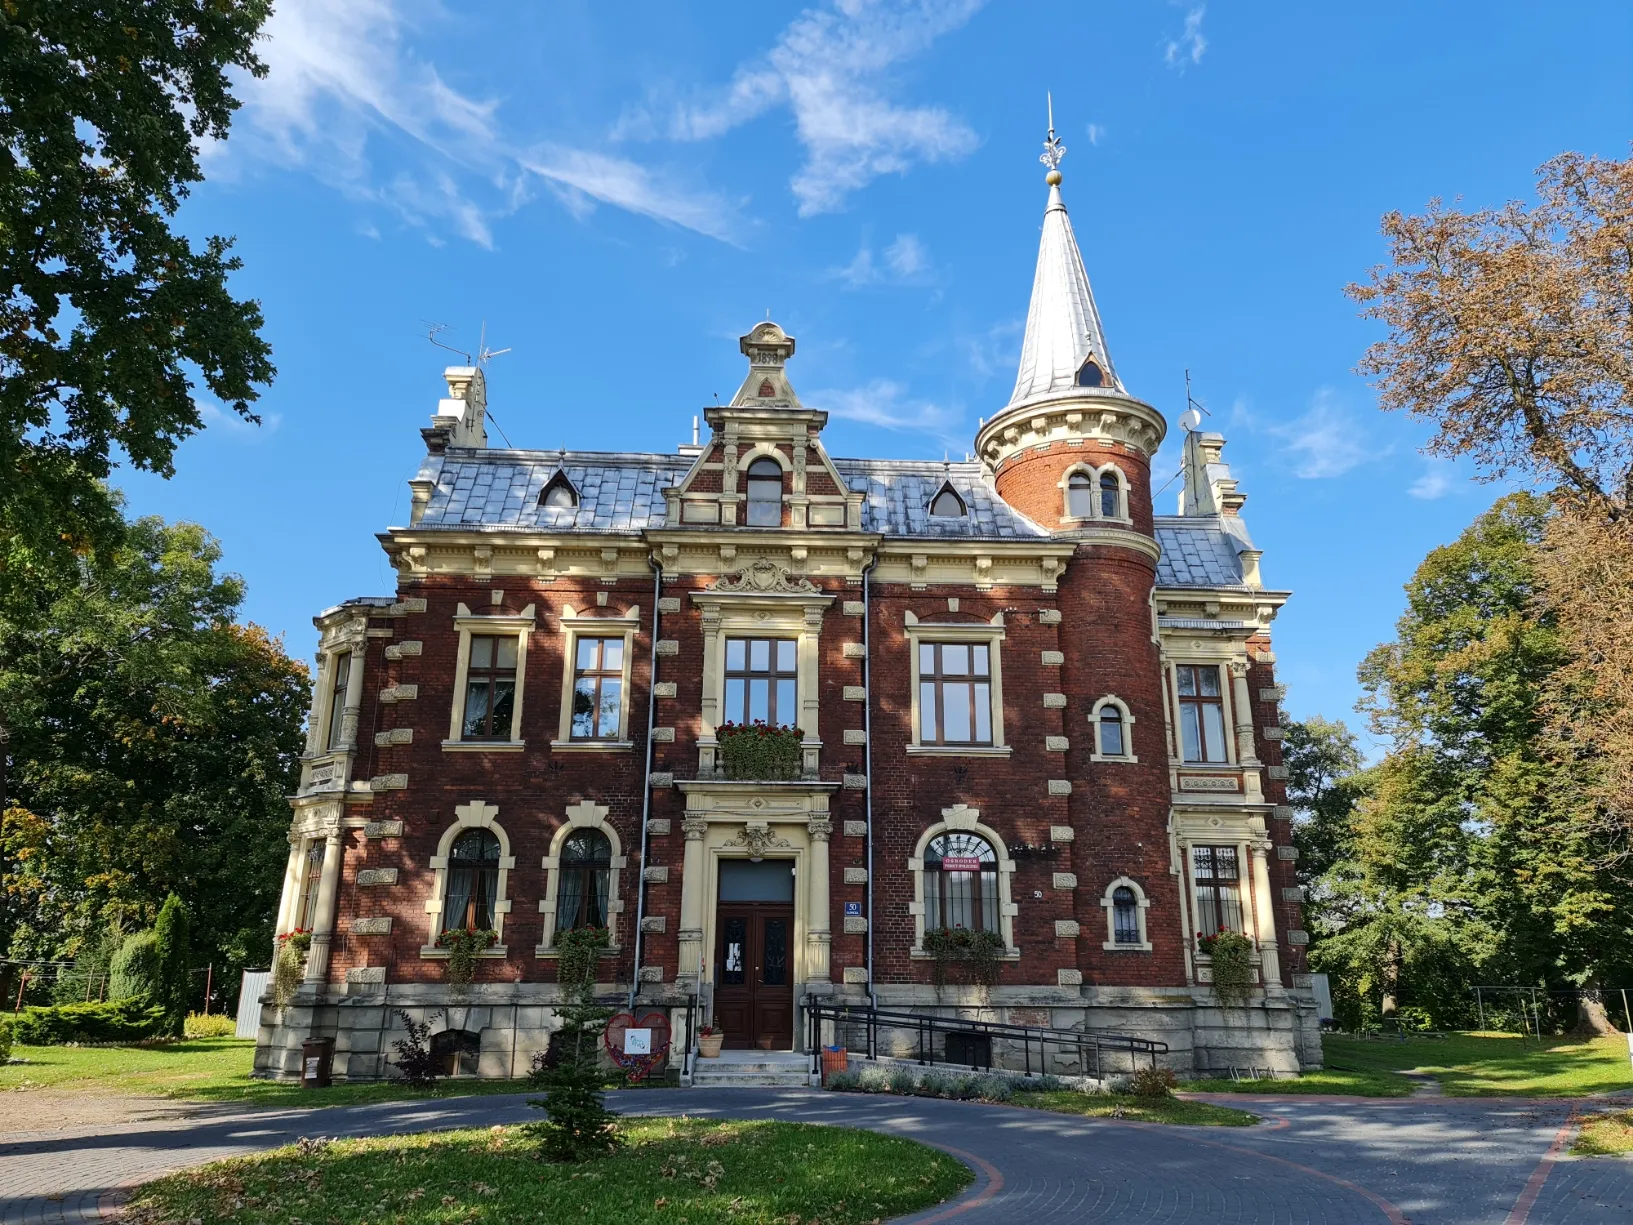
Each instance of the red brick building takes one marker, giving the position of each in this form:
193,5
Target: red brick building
1026,705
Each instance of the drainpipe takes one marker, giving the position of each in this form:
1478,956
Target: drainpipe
867,755
646,779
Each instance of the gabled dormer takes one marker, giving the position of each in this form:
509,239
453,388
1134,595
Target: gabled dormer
764,466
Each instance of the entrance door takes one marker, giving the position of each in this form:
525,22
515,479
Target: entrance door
753,975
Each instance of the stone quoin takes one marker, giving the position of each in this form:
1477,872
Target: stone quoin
1014,699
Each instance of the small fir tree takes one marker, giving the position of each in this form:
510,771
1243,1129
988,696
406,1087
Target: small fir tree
173,945
579,1127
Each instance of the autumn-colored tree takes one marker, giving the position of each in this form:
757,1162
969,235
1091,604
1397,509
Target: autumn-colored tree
1511,330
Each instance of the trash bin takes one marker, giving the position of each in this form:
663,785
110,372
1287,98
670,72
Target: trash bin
835,1059
317,1062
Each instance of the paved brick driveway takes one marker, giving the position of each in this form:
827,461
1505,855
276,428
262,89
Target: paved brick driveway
1440,1161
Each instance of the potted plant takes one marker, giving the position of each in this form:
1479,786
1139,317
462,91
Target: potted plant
1232,957
709,1038
289,965
465,945
760,750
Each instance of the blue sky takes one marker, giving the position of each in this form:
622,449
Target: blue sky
621,191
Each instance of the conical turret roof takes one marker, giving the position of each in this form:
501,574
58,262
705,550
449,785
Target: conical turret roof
1063,329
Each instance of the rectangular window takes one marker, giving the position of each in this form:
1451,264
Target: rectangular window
598,688
340,667
1201,713
1217,880
490,687
955,693
306,914
760,681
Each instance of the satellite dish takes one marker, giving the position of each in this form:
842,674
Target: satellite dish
1190,420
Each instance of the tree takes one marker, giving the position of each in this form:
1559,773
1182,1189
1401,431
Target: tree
108,313
1323,762
173,945
155,741
578,1126
1511,330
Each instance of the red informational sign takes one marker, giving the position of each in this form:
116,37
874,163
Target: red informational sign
960,863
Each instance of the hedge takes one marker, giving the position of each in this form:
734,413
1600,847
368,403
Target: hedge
119,1021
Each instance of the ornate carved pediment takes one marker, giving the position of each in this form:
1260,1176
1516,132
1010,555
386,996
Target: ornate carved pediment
764,575
758,838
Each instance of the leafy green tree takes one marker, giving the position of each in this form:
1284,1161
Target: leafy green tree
1323,763
154,742
135,967
173,944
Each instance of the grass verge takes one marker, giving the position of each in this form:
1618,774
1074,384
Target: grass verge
1332,1080
1605,1135
1496,1065
1139,1109
703,1172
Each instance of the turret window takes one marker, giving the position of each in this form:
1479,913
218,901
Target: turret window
765,493
1111,732
1110,495
1125,916
1089,374
1079,496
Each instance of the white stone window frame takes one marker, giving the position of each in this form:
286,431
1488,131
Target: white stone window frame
1127,756
467,623
730,614
762,450
990,634
575,625
1094,474
964,820
1141,904
478,814
583,815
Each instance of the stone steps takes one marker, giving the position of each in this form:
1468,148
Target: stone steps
753,1069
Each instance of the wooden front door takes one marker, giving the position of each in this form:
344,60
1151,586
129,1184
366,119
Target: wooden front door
754,975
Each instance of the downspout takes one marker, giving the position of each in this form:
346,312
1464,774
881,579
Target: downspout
867,754
646,779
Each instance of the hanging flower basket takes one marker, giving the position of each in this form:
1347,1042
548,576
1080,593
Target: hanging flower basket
760,750
1232,956
463,945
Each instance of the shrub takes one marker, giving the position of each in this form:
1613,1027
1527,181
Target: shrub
874,1080
845,1082
88,980
578,1126
5,1041
934,1084
135,968
903,1080
173,946
998,1088
126,1020
1154,1082
216,1025
415,1063
1232,955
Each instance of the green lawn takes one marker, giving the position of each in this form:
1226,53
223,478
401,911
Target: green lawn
1466,1065
1140,1109
691,1170
203,1070
1605,1135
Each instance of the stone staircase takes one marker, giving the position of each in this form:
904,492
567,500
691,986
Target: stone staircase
757,1069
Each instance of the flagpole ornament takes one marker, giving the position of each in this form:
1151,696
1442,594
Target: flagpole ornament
1053,150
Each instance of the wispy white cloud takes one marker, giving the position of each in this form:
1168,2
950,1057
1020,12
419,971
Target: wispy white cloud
1186,49
828,68
1326,441
885,403
344,93
906,261
1097,133
1436,482
225,424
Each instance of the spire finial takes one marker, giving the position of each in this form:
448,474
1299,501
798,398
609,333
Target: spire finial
1053,150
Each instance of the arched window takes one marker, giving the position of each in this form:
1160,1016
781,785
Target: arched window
458,1052
1079,496
961,883
1113,736
1110,494
947,504
473,881
1125,916
765,493
586,870
559,494
1089,374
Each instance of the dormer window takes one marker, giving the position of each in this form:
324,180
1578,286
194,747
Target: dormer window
947,504
1089,374
765,493
1079,496
559,494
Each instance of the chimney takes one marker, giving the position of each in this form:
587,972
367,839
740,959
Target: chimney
461,419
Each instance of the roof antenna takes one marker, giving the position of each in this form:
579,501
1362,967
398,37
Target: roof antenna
484,355
433,330
1194,409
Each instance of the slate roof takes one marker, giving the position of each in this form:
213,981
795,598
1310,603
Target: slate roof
1198,551
617,492
898,494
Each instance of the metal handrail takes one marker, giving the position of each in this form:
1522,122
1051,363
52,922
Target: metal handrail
925,1028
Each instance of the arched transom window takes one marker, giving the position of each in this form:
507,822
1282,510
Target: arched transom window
1079,496
1110,496
960,883
765,493
473,881
586,870
1125,916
